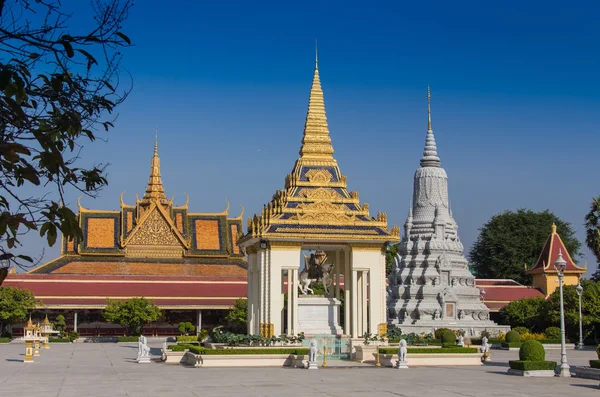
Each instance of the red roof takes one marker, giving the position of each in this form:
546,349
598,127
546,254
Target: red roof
166,292
499,293
549,255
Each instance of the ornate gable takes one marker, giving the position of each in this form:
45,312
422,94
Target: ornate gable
155,230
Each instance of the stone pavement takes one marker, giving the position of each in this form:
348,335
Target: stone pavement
107,369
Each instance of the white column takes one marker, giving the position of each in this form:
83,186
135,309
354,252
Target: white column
295,302
354,304
337,276
199,322
290,299
359,304
256,292
347,297
251,303
364,296
262,288
75,321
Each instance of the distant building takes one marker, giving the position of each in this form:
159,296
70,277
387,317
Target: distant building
184,262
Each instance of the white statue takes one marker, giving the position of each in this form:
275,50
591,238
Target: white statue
143,350
312,355
315,269
402,355
461,340
461,315
485,347
436,314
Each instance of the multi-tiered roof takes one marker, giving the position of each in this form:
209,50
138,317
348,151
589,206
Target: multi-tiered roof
315,203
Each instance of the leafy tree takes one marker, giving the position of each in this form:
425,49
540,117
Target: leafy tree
185,327
132,313
511,240
237,316
60,324
590,308
15,304
390,254
524,313
592,238
58,90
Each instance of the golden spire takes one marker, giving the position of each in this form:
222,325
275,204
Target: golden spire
316,142
155,190
428,108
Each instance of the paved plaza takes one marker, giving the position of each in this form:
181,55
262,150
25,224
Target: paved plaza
107,369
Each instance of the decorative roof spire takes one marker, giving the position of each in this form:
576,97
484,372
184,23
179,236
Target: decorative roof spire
430,157
155,190
316,142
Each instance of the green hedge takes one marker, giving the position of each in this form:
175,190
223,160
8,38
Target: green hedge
595,364
128,338
4,340
511,344
229,352
189,338
444,350
543,341
60,340
532,365
491,341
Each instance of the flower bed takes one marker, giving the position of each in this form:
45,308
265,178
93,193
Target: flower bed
240,357
438,350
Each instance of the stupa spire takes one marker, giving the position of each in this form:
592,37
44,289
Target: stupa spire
316,142
430,157
155,190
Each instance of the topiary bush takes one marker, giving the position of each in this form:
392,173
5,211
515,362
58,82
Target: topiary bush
448,338
512,337
552,333
595,364
438,332
532,350
521,330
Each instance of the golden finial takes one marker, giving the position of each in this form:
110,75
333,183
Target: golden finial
553,228
428,108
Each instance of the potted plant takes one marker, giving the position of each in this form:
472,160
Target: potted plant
369,347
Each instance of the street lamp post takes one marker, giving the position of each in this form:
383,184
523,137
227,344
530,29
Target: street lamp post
579,290
560,265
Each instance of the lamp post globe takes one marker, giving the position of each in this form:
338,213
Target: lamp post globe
560,265
579,290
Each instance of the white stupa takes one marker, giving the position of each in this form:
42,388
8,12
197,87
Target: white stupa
430,285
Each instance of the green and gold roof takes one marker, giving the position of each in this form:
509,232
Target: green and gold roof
315,203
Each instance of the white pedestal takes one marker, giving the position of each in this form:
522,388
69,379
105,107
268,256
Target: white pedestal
143,360
312,365
402,364
318,315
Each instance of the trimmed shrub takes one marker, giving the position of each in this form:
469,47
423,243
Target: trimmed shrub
552,333
185,338
73,335
598,351
521,330
532,350
59,340
177,348
512,336
438,332
128,338
448,338
4,340
595,364
532,365
444,350
230,352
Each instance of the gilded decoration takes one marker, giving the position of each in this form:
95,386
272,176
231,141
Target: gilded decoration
100,233
207,234
319,176
319,194
315,202
154,230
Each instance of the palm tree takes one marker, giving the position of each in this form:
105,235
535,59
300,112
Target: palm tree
592,225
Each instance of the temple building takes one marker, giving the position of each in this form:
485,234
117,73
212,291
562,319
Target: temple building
186,262
543,273
430,285
316,212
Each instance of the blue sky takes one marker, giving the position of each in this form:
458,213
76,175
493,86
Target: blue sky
515,100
